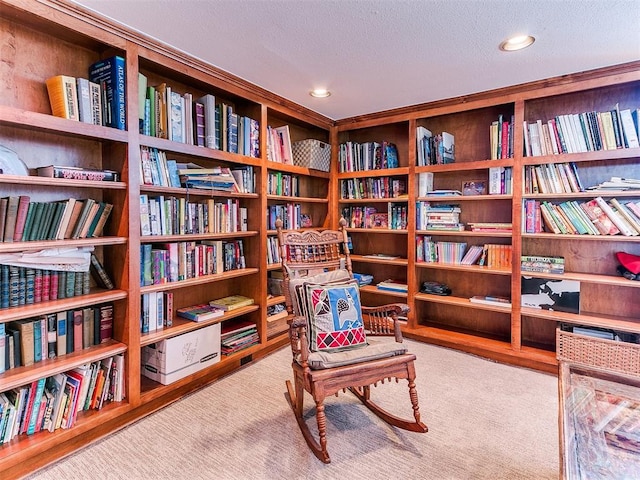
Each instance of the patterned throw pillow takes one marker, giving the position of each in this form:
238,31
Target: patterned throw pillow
335,316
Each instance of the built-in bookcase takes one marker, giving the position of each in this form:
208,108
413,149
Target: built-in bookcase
496,195
66,40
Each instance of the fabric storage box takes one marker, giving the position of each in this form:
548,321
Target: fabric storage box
312,153
174,358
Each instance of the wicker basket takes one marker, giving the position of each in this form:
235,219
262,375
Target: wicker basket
312,153
622,357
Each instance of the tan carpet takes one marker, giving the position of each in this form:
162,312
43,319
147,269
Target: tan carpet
486,421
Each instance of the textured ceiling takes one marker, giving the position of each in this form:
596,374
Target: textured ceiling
377,55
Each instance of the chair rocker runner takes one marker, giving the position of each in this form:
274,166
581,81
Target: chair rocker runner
334,340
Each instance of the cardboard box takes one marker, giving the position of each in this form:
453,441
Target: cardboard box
175,358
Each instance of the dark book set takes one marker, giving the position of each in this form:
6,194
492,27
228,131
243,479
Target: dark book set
22,220
26,286
33,340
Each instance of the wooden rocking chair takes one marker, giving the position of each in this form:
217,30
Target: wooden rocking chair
317,271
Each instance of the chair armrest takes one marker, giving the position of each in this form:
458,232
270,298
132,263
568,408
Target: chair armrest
383,320
298,339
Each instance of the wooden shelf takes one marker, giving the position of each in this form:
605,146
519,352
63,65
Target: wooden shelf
16,377
372,289
181,325
203,280
97,295
463,268
460,302
380,261
585,318
188,237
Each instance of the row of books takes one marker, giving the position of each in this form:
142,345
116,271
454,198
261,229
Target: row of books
542,264
27,286
176,261
355,157
593,217
290,214
552,178
501,138
22,220
99,100
279,183
457,253
500,180
434,149
177,216
279,145
395,218
156,311
54,402
165,113
438,216
439,252
373,187
32,340
273,250
582,132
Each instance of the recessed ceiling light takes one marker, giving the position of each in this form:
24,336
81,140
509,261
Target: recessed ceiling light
517,43
320,93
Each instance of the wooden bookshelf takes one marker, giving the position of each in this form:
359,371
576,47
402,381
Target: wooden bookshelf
66,39
514,334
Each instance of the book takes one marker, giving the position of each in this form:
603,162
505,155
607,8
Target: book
393,286
95,92
3,216
82,218
79,173
63,96
491,300
381,256
210,137
21,217
26,341
73,217
10,218
97,226
110,74
200,313
232,302
61,333
100,275
85,111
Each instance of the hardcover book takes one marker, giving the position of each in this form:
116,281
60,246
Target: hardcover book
110,75
63,96
78,173
232,302
85,113
200,313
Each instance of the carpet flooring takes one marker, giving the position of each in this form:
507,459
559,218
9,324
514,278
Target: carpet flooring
486,421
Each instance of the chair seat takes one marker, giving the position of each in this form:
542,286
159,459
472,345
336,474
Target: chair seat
374,350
